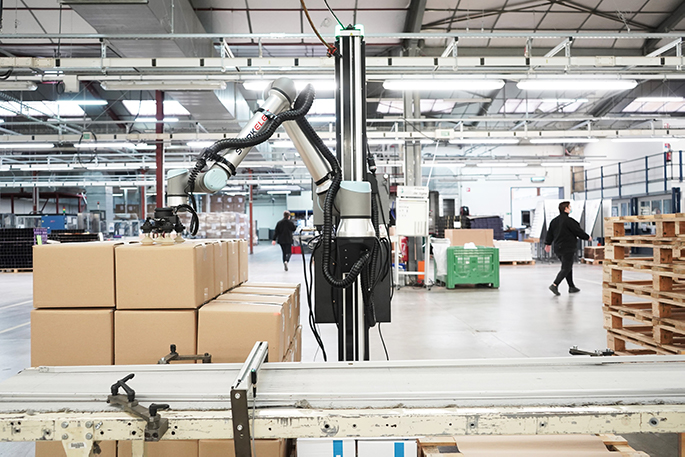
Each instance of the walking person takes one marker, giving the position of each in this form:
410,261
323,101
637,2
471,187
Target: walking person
284,236
563,233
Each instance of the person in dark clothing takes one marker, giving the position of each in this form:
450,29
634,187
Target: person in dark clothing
284,236
563,233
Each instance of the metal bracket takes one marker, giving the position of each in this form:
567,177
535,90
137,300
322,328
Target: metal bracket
155,425
244,382
174,356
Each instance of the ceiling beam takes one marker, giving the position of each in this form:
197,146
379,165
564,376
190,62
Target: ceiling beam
412,24
668,25
603,15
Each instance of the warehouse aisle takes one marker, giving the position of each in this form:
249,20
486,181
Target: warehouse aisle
520,319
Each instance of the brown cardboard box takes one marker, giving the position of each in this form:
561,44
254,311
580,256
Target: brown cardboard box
179,276
292,316
226,448
459,237
244,252
294,353
233,257
144,337
120,209
280,300
168,448
282,285
72,337
90,266
221,268
594,252
55,449
228,331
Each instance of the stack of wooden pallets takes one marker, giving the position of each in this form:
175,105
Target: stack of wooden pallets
644,297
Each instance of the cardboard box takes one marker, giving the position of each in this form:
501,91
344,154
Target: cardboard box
481,237
524,446
170,448
295,287
179,276
386,448
226,448
233,257
144,337
74,275
594,252
228,331
294,353
267,296
326,447
243,256
55,449
221,283
72,337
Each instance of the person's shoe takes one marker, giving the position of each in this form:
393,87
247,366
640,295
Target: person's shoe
285,266
554,289
573,290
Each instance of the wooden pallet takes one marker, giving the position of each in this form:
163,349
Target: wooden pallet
449,446
639,336
517,262
592,261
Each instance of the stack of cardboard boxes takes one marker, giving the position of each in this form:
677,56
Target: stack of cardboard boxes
125,303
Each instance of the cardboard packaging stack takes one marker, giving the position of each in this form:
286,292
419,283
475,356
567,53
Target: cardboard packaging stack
122,290
95,304
222,225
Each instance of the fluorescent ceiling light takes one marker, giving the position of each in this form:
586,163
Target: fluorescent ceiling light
501,164
148,108
81,102
443,84
537,179
485,141
199,144
285,144
279,192
40,109
96,144
646,140
27,145
18,85
585,85
2,121
145,146
385,141
260,85
163,85
659,99
562,140
154,119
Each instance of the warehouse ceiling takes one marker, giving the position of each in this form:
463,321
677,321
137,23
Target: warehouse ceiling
486,39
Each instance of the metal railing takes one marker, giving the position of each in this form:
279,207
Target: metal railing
644,176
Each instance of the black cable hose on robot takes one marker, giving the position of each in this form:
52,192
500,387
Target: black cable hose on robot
302,105
194,220
327,235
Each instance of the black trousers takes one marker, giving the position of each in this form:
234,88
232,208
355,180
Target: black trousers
287,251
566,271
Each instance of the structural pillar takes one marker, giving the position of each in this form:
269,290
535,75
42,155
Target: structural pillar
159,153
412,167
251,217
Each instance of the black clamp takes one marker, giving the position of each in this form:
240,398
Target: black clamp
155,425
175,356
597,353
269,115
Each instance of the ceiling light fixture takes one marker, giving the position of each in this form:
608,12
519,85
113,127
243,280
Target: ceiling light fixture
485,141
585,85
501,164
441,84
163,85
279,192
167,120
95,144
562,140
646,140
18,85
659,99
27,145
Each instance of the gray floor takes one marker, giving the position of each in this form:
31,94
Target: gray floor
520,319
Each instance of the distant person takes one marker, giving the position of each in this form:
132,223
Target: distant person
563,233
284,236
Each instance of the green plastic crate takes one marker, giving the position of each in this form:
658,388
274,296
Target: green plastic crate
472,266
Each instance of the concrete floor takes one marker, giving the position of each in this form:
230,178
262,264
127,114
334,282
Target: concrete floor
520,319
